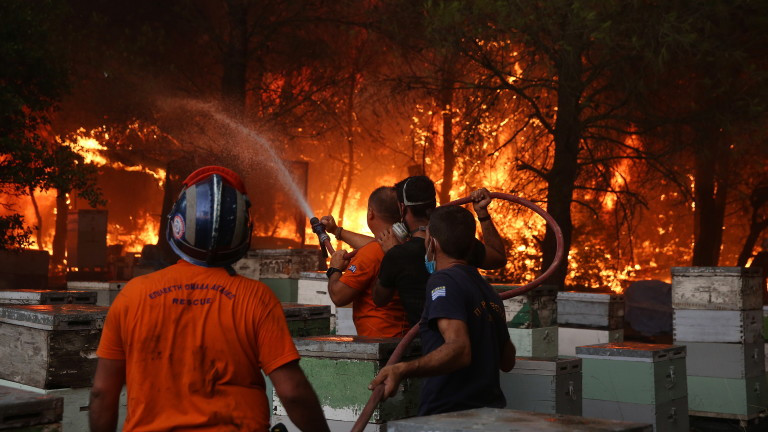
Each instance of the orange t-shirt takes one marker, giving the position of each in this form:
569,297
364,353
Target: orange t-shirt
195,341
371,320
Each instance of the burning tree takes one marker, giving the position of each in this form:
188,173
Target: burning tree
32,80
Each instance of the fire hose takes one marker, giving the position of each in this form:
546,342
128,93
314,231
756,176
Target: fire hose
378,392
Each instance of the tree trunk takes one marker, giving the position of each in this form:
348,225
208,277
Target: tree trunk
60,232
233,83
449,158
39,225
755,229
710,189
562,176
350,137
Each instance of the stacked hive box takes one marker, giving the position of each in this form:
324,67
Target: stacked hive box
106,292
46,297
313,289
503,420
50,350
718,315
280,269
531,320
636,382
29,412
551,385
307,319
586,318
340,369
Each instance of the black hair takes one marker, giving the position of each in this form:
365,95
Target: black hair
454,228
383,201
419,189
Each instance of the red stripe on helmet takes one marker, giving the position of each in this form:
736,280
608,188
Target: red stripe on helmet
227,174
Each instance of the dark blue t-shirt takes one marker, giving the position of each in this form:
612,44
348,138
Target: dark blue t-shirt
461,293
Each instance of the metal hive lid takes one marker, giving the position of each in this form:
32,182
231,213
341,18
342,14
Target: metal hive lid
588,296
632,351
305,311
715,271
55,317
351,347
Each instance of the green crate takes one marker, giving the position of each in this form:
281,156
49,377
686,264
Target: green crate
633,372
340,369
286,290
743,399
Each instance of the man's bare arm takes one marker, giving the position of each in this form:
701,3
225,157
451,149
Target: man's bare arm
495,253
454,354
108,382
356,240
298,397
341,294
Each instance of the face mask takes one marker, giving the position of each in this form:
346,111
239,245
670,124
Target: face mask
430,265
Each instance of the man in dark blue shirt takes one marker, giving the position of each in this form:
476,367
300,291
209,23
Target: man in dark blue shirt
463,329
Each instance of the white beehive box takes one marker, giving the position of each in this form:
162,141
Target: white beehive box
591,310
544,385
534,342
106,292
730,326
716,288
568,338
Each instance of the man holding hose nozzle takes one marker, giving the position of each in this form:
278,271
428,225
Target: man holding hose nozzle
463,328
352,281
402,270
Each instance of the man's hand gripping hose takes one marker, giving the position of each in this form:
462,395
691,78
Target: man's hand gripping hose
377,393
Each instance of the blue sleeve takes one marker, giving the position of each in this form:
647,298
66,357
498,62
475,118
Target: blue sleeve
445,299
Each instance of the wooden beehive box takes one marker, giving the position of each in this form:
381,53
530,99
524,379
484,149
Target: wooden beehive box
50,346
24,410
568,338
551,385
535,342
340,369
106,292
716,288
736,398
729,326
307,320
591,310
505,420
725,360
76,405
46,297
637,382
540,300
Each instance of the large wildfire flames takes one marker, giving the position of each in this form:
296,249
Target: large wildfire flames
136,223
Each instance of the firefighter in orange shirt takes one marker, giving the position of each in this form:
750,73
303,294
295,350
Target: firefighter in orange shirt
190,341
352,281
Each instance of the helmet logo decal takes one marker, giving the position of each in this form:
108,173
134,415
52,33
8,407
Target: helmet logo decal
178,226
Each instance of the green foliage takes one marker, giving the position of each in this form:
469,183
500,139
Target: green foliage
13,233
33,78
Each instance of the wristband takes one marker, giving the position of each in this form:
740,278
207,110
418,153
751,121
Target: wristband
331,271
337,233
484,218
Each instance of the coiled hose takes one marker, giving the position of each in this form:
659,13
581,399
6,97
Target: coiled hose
378,392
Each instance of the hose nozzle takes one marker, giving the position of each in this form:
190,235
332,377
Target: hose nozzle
322,236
